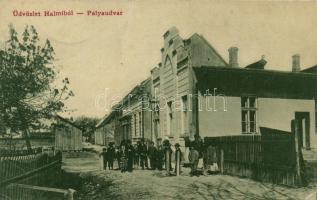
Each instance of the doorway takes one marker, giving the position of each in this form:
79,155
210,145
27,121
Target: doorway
304,127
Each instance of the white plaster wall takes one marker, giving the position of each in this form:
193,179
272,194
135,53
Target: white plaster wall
220,122
278,113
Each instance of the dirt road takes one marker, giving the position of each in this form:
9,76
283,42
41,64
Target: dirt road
148,184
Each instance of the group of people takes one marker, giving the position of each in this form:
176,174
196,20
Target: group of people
129,156
145,156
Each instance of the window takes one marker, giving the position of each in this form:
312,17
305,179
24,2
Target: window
170,43
140,124
184,115
134,124
249,115
170,113
169,118
174,53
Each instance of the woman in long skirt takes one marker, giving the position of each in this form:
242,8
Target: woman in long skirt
124,159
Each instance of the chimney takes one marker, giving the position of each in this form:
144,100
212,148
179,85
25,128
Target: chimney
233,57
296,63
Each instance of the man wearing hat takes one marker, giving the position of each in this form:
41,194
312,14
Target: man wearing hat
142,150
193,158
152,151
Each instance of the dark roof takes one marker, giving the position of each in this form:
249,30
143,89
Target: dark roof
136,91
68,122
257,65
263,83
312,69
106,119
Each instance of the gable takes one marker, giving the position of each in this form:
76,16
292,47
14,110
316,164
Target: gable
203,54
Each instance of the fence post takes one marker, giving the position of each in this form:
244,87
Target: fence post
69,195
167,161
222,161
296,131
177,162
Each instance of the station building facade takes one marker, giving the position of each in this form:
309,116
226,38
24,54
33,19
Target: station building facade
193,90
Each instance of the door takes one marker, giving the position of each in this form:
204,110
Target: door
304,127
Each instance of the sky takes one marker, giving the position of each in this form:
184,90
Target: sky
105,57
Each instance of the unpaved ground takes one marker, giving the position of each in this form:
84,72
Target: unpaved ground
147,184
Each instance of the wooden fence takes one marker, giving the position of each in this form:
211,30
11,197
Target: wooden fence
30,174
68,139
19,143
274,156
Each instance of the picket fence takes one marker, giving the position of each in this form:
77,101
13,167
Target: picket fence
30,174
274,156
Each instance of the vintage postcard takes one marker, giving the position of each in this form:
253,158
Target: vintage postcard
158,99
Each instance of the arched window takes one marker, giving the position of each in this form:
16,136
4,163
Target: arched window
168,61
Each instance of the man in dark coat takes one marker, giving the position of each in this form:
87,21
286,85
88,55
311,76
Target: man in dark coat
123,157
152,155
193,157
167,155
159,157
136,159
130,155
142,150
110,154
198,145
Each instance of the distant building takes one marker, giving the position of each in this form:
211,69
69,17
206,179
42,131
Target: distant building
105,130
68,136
135,120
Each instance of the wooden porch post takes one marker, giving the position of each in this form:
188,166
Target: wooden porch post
296,132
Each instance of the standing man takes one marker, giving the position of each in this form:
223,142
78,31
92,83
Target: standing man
159,158
193,157
152,155
111,154
136,159
103,158
168,155
124,157
118,156
143,154
130,154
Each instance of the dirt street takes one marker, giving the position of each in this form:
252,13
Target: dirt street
148,184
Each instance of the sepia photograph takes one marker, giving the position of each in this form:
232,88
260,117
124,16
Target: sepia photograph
158,100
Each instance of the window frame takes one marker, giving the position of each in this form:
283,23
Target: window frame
246,110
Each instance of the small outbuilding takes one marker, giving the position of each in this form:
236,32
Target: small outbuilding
105,129
68,136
